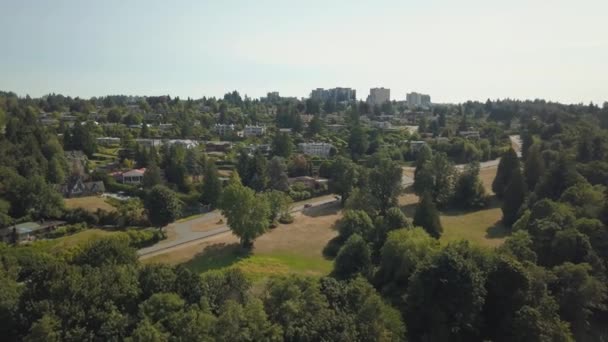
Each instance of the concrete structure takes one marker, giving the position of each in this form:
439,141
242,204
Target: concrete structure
334,94
378,96
254,131
418,100
319,149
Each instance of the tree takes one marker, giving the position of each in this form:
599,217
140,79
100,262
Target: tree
534,166
277,174
469,192
402,253
279,203
246,213
438,177
514,196
245,323
315,126
344,176
194,163
282,145
507,165
561,175
353,258
355,222
259,172
152,176
47,328
385,183
361,199
357,141
212,186
162,206
56,171
427,216
578,293
445,297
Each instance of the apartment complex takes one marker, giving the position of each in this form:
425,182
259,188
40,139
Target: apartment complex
418,100
334,94
254,131
319,149
378,96
223,129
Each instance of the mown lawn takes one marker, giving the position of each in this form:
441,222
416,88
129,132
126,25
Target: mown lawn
64,244
482,227
89,203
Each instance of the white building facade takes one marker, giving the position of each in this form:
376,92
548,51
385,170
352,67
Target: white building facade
318,149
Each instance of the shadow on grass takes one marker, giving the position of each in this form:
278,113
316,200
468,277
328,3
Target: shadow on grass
497,231
326,209
217,256
409,209
493,203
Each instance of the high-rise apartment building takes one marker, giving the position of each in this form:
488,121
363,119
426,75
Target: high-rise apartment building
378,96
418,100
334,94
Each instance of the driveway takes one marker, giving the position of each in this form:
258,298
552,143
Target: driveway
185,234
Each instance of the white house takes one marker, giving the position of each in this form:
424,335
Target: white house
223,129
135,176
254,131
319,149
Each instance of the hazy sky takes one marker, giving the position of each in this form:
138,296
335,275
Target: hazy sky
453,50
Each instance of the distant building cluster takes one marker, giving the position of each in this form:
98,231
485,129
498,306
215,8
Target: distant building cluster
334,94
378,96
418,100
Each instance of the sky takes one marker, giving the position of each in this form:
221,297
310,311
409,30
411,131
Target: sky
453,50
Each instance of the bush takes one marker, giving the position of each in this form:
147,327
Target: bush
139,238
286,219
67,230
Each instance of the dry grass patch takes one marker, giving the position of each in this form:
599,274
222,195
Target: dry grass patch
89,203
294,248
482,227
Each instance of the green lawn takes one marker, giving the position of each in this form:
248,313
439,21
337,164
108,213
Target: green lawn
259,266
482,227
66,243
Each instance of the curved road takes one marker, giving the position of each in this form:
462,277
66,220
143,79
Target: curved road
186,235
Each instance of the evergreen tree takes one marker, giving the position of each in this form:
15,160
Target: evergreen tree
514,196
152,176
508,163
534,167
212,186
469,192
427,216
282,145
162,206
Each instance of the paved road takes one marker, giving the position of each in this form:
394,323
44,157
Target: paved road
186,235
515,142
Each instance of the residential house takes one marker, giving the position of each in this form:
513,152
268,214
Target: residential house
108,141
27,231
133,177
187,143
149,142
469,134
218,146
76,187
416,145
223,129
319,149
254,131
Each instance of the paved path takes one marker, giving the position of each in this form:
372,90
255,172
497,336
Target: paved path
186,235
515,142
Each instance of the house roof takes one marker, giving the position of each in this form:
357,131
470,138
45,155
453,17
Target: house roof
134,172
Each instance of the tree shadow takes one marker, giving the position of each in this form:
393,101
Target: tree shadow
330,208
409,209
217,256
497,231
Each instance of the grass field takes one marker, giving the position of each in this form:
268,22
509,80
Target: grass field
481,227
90,203
288,249
66,243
